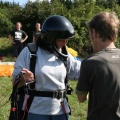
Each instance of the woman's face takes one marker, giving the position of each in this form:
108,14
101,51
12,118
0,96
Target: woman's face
18,26
61,42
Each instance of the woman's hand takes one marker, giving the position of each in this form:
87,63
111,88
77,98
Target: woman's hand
28,76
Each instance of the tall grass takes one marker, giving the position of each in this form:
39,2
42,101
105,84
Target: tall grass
5,91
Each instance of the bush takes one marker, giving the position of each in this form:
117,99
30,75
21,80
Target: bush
6,50
5,25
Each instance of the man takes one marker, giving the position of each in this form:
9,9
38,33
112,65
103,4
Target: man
37,32
100,72
17,37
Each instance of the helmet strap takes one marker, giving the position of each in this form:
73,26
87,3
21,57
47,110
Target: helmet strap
63,55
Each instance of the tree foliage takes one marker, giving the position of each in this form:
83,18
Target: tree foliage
5,25
77,11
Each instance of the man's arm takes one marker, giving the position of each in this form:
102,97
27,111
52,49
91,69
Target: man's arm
33,39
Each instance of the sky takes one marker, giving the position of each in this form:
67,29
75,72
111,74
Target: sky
21,2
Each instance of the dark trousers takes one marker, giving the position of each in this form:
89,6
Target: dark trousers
17,48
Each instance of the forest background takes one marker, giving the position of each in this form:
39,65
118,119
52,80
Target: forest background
79,12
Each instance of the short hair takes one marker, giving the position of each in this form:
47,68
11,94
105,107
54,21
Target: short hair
106,24
19,23
38,24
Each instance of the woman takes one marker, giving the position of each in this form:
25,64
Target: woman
17,38
53,66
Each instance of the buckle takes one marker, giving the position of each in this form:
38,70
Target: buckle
29,88
33,55
61,94
55,94
69,91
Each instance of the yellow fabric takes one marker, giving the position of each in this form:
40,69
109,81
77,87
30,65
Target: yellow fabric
72,52
6,70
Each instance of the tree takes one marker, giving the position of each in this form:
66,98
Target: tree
5,25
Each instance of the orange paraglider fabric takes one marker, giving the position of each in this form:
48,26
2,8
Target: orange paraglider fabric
6,69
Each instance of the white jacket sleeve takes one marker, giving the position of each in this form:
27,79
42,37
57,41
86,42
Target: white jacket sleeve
22,61
73,67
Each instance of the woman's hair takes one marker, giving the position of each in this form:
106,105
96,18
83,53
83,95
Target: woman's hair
106,24
19,23
43,43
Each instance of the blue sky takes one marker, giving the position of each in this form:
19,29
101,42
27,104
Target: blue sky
21,2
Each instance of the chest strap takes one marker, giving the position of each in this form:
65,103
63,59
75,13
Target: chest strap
54,94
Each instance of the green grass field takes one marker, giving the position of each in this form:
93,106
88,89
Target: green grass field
78,110
5,91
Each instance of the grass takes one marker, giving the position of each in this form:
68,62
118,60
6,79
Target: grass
78,110
5,91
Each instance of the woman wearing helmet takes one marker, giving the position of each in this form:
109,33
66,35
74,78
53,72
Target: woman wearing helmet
53,66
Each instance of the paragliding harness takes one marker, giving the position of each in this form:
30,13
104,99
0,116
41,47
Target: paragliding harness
18,94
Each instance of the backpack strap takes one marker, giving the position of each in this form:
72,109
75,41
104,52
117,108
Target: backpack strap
33,49
31,86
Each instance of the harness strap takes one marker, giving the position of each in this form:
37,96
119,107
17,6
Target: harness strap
64,110
33,49
53,94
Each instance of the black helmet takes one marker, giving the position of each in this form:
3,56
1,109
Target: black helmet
57,27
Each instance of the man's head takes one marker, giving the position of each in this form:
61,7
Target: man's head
38,26
106,25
